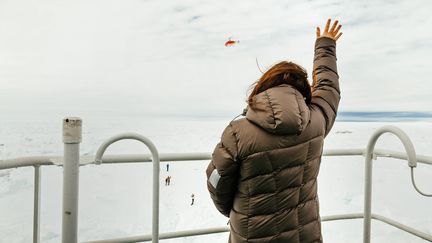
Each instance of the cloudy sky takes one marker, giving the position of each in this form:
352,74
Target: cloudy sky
168,57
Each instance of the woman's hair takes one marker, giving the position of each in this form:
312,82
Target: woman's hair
282,73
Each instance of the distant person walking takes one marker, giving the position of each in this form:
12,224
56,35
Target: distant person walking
167,167
167,180
193,199
263,173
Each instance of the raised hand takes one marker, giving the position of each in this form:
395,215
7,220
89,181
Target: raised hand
330,33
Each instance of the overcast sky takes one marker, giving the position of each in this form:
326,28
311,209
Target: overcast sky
168,57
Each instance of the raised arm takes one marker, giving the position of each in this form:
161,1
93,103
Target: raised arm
325,87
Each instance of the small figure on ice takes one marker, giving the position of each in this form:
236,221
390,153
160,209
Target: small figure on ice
193,199
167,166
167,180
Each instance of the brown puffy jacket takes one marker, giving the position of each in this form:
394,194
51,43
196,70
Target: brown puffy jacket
263,173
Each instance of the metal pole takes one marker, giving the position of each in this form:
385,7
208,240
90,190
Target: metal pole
409,149
164,236
156,172
368,193
36,205
71,139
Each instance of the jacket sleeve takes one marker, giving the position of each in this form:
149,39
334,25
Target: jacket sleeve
325,88
223,172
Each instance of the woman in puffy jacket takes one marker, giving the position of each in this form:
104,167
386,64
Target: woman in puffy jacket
263,173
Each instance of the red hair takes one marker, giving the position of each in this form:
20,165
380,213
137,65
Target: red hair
282,73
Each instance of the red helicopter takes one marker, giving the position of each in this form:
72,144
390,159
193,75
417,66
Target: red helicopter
231,42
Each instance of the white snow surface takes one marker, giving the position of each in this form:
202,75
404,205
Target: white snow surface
115,200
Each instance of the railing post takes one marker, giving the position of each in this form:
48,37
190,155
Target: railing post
156,172
36,205
409,148
71,139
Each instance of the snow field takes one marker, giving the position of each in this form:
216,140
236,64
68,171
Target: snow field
115,200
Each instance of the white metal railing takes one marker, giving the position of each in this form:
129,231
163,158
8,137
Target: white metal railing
412,162
156,172
71,162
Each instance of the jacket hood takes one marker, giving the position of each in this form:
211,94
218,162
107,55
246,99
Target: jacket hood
280,110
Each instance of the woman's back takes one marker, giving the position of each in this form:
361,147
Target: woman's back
263,174
276,195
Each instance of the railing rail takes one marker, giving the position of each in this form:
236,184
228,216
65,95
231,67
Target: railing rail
369,153
412,161
31,161
187,233
156,170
